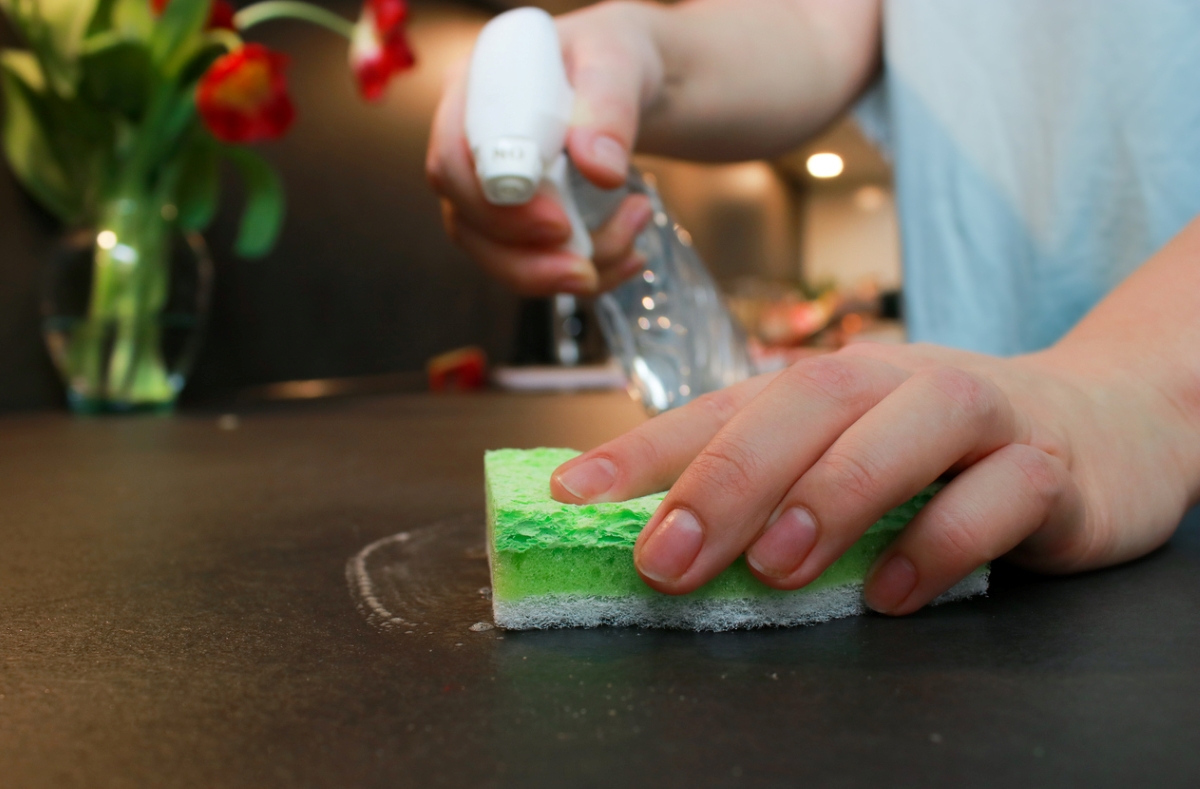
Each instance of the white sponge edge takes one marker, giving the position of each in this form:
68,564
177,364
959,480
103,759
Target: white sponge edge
545,611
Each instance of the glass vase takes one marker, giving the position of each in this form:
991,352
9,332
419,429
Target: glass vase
124,307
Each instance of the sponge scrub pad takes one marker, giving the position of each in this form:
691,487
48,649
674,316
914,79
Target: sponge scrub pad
563,565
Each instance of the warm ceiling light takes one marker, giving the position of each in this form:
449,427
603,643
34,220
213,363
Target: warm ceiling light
825,165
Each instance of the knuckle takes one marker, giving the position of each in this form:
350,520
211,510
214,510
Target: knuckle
971,393
1044,474
962,542
850,470
865,349
832,377
635,450
730,466
720,406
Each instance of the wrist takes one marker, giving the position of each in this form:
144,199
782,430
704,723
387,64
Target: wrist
1143,394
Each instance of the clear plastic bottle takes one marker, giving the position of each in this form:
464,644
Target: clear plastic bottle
668,326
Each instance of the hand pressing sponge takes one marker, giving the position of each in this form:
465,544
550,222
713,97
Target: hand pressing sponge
564,565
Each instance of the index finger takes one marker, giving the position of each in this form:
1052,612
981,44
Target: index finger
649,458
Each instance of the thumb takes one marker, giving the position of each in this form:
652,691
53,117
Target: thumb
605,117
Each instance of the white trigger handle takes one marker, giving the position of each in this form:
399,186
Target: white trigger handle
558,184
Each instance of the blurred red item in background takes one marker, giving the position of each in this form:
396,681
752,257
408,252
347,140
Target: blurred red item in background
461,370
243,96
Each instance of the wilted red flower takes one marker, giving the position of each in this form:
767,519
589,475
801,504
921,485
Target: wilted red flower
379,49
220,13
243,96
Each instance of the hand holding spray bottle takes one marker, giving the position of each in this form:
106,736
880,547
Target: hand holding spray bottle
668,326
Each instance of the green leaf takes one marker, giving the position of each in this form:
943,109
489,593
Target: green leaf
25,67
118,77
26,140
68,21
102,18
82,138
182,21
262,216
197,59
132,19
199,186
56,28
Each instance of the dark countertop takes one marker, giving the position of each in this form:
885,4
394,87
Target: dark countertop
174,611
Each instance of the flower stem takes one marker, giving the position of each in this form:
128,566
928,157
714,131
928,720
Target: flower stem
256,13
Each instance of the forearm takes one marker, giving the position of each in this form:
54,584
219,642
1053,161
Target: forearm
737,79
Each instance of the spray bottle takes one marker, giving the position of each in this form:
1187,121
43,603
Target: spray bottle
667,326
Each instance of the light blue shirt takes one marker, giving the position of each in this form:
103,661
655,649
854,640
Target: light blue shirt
1043,149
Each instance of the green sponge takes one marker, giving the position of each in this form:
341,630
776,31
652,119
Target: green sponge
563,565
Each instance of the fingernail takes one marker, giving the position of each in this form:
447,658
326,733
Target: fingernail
589,479
672,547
581,277
609,154
891,584
783,547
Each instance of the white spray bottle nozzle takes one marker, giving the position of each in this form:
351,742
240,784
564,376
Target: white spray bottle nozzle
518,109
509,170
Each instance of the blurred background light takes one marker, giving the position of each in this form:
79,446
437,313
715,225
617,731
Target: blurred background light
824,165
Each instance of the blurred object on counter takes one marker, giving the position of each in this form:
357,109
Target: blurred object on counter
552,378
788,316
460,370
322,388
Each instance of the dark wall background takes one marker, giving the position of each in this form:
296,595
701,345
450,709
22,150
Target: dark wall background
363,280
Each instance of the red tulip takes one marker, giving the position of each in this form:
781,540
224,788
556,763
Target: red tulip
243,96
220,14
379,49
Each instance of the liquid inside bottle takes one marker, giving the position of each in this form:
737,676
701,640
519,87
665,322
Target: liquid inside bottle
668,326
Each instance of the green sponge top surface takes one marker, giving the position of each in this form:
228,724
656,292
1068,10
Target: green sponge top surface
524,517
